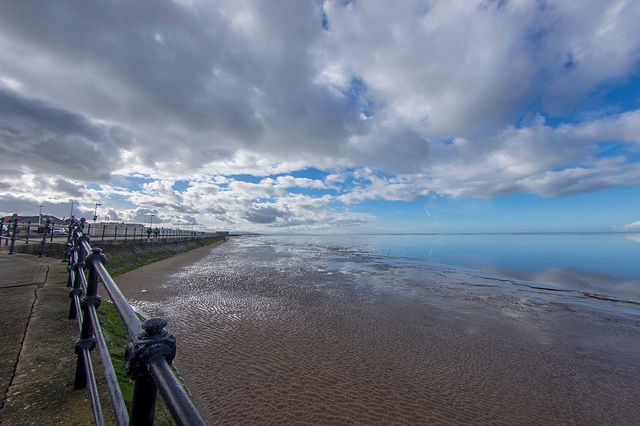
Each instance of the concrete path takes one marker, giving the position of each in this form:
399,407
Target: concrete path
37,359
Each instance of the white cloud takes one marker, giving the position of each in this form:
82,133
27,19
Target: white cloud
394,101
292,182
634,226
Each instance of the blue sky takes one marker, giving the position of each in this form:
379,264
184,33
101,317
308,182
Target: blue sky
324,116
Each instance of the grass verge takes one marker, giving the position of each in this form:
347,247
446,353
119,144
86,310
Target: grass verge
122,259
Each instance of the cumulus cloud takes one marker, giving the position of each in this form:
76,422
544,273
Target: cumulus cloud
47,139
451,68
35,187
392,101
634,226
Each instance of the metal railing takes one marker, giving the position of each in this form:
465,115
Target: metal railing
12,232
148,355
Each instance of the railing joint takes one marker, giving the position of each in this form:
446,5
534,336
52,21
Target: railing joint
75,292
152,344
91,301
88,343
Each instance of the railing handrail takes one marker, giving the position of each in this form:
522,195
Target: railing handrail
148,355
11,232
125,311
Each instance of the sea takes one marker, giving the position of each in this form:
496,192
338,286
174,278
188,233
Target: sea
406,329
597,263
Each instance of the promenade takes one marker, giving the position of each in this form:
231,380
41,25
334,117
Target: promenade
37,358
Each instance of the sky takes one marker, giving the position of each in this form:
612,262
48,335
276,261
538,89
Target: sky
324,116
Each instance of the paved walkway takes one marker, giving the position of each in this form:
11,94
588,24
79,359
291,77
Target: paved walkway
37,359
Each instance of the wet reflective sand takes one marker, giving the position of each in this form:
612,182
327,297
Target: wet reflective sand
278,332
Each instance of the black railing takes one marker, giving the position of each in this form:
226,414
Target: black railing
13,232
148,356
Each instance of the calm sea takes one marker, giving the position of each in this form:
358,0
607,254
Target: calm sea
600,263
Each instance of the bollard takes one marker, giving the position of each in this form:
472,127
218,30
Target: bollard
87,340
13,234
115,233
103,228
44,237
26,239
125,233
53,228
152,345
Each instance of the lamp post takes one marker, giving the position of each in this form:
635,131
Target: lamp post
40,216
71,207
95,217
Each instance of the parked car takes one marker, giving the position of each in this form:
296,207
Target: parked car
59,231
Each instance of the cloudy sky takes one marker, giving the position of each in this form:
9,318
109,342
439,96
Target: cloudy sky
339,116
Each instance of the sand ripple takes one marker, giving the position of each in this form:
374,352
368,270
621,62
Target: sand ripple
321,335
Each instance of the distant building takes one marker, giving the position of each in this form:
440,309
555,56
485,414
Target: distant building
24,220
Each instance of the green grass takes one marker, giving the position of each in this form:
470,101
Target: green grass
118,339
119,262
125,259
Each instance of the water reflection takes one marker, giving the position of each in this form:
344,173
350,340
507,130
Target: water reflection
633,237
584,281
599,263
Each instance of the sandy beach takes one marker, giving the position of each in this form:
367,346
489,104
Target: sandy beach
266,336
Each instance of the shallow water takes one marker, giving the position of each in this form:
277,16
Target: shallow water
327,330
604,263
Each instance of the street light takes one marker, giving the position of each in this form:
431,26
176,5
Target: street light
95,217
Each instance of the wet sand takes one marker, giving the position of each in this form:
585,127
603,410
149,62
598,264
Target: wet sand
268,335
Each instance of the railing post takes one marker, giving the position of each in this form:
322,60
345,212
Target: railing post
103,228
44,238
13,235
152,345
87,340
115,233
126,228
26,239
70,266
77,267
6,240
67,250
